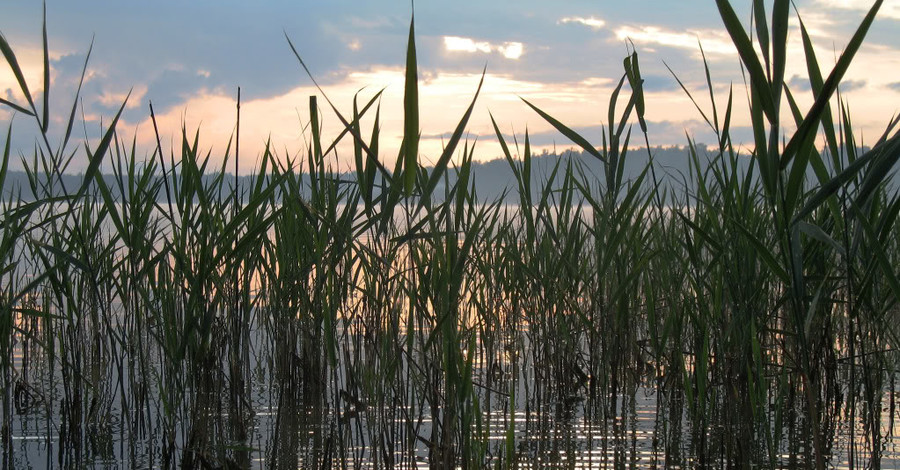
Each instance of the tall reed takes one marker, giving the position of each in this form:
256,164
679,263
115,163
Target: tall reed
163,314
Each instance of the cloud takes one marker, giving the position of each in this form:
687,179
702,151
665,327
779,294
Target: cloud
111,100
714,42
852,85
32,66
659,83
176,84
593,23
668,132
597,82
509,50
443,98
890,9
512,50
818,23
458,44
191,73
798,83
374,23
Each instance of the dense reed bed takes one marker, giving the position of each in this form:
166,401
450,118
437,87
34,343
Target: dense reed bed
743,314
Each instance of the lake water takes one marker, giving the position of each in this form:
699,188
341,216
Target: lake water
537,429
528,387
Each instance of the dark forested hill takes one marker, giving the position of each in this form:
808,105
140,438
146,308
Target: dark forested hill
491,178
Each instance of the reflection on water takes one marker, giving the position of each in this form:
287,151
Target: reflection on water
406,354
519,427
379,406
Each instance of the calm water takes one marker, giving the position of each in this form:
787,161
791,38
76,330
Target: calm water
526,407
638,429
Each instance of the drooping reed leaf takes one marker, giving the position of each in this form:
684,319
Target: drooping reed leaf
441,165
569,133
17,72
633,72
883,164
70,123
16,107
710,88
701,231
611,110
354,129
850,172
63,255
816,84
816,232
106,194
765,253
691,97
96,156
758,76
814,115
384,172
887,267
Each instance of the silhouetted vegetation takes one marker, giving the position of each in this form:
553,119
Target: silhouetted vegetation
603,310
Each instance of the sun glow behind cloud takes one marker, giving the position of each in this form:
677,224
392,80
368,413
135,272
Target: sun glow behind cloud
30,60
443,100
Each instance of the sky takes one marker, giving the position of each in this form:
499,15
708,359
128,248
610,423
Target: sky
189,58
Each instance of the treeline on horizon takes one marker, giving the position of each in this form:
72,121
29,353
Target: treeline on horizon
492,179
